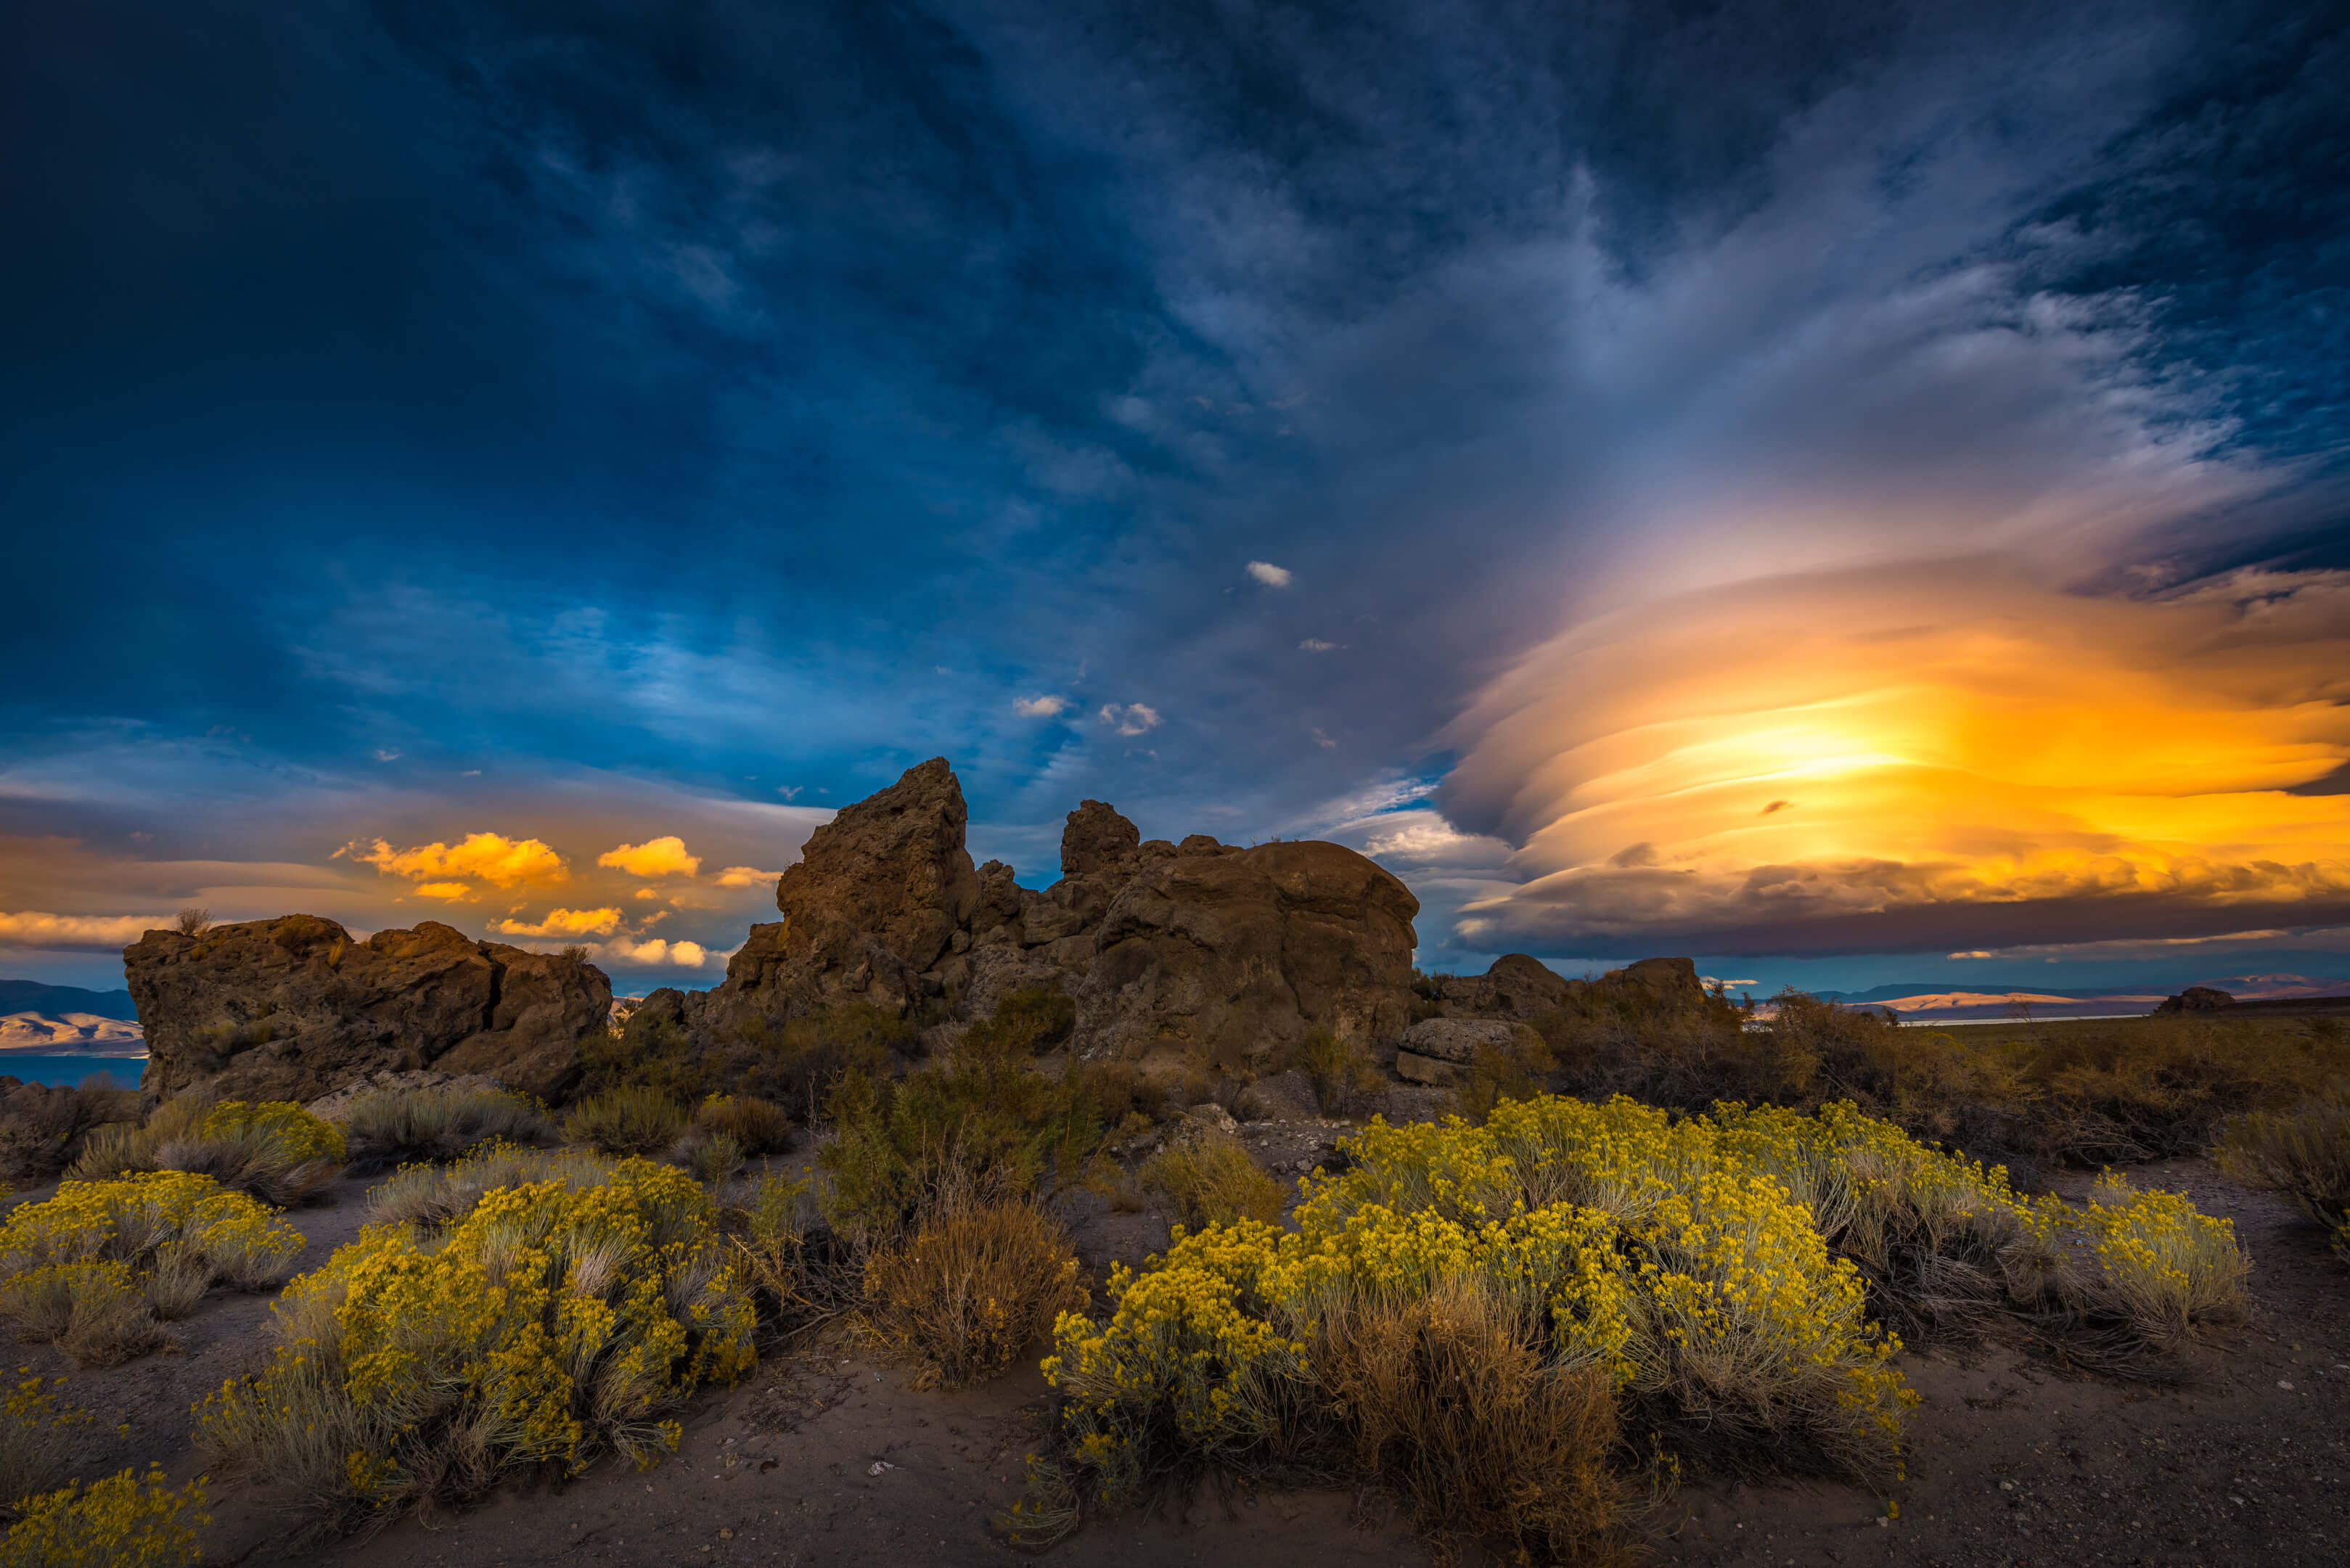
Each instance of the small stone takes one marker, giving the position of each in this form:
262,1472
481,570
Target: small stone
2284,1385
2007,1486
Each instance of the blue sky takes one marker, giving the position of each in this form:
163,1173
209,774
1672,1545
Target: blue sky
1418,425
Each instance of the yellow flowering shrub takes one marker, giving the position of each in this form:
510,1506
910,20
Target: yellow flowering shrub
95,1267
125,1520
2166,1268
34,1432
555,1322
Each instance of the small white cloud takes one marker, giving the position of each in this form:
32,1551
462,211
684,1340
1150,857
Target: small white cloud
1316,645
386,756
791,792
747,876
1322,739
1129,719
1268,573
1041,706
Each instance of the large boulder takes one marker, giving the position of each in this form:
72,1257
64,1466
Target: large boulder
293,1009
1227,958
1518,986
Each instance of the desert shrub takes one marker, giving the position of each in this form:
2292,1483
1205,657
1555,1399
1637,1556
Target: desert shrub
1032,1018
795,1064
94,1269
1453,1398
2162,1087
2304,1155
94,1312
970,1290
711,1157
125,1520
275,1150
42,1127
555,1323
1341,1069
408,1127
1722,1277
429,1196
2164,1270
1515,1072
974,1129
35,1430
758,1127
626,1121
1208,1176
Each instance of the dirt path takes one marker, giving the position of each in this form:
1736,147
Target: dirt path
830,1460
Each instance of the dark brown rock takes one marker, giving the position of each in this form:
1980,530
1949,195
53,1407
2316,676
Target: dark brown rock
2197,999
1281,1097
1097,838
293,1009
1517,986
875,899
1227,958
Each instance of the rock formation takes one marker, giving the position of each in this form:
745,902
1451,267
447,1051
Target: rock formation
2197,999
1203,952
292,1009
1523,987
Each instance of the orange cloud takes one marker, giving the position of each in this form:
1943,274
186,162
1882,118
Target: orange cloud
565,923
747,876
1918,755
663,857
652,952
449,890
494,859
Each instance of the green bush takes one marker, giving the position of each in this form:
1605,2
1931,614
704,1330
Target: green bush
977,1127
793,1065
1027,1021
626,1121
1207,1174
1342,1070
553,1324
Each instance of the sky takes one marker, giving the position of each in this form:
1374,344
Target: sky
1852,493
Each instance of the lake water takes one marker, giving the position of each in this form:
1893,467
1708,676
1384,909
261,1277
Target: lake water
68,1067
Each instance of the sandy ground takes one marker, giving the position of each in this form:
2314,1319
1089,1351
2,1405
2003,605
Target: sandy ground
823,1459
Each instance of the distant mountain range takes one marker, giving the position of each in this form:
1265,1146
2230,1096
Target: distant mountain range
32,996
1991,1000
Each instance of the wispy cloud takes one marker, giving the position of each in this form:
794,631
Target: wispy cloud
86,934
1129,718
1046,707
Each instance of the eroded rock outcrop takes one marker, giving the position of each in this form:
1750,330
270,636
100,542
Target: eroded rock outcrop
2197,999
293,1009
1199,950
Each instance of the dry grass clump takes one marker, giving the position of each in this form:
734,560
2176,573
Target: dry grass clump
626,1121
970,1290
430,1196
1207,1174
2305,1154
757,1126
99,1268
1342,1070
275,1150
795,1065
1453,1399
553,1323
434,1126
42,1126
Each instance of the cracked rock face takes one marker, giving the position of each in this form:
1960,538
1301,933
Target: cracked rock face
293,1009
